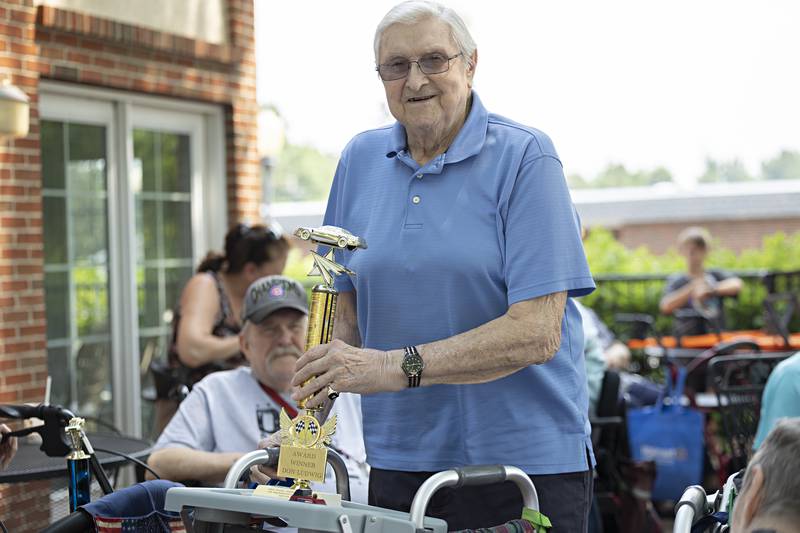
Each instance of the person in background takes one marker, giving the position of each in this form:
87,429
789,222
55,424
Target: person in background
596,364
8,448
207,322
769,501
227,414
615,354
781,397
694,297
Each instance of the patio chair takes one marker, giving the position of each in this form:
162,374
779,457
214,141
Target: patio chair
738,382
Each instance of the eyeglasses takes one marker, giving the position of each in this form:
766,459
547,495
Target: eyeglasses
429,64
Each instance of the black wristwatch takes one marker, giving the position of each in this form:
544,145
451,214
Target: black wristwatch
412,365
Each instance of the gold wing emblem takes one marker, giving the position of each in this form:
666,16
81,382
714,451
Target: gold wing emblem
286,426
328,429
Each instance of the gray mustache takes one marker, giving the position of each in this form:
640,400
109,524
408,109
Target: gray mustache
283,351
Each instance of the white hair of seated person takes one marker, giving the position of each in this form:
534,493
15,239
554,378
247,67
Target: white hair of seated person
618,356
770,495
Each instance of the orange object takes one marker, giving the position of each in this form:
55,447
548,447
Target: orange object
767,342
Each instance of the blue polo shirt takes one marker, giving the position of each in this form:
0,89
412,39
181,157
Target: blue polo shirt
452,245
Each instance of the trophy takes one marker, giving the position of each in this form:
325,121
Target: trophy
80,477
304,438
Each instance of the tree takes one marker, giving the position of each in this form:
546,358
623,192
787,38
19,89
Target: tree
784,166
724,172
576,181
302,173
616,175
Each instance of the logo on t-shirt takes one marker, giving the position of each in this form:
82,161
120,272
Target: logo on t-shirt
268,419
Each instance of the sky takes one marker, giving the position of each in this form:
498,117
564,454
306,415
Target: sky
635,82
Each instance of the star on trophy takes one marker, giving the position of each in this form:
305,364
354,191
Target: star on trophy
304,439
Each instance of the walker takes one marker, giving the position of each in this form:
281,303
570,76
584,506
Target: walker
232,510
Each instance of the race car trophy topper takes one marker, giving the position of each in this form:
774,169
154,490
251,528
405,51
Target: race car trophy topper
303,440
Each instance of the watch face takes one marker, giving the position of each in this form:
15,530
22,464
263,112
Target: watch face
412,365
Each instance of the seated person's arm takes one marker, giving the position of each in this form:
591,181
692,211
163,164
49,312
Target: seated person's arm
728,287
181,464
184,450
676,299
196,345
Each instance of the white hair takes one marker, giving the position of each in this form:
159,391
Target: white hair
778,458
412,11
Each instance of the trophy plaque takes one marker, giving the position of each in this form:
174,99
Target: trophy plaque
304,439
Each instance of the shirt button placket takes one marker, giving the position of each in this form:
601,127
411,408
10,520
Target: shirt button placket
416,199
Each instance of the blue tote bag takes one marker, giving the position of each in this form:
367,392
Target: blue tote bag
672,436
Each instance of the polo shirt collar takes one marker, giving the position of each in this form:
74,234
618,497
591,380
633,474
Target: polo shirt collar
468,141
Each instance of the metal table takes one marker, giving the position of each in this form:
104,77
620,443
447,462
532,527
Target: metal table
30,463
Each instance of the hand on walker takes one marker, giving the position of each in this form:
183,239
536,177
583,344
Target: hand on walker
262,473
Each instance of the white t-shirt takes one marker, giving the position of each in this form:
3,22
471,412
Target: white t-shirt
228,411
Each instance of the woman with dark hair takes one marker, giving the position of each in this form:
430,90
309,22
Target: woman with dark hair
207,322
208,319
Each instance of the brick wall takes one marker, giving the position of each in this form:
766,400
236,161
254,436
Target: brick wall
49,43
23,360
736,235
23,364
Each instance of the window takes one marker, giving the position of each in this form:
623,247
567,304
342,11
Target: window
161,183
76,252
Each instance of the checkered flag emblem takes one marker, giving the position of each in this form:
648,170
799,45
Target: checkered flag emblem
300,426
313,428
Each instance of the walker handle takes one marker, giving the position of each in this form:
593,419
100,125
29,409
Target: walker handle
270,457
480,475
469,476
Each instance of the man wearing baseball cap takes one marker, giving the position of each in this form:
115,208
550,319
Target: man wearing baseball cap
228,413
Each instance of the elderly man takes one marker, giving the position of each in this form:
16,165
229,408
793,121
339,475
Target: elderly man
459,329
228,413
769,501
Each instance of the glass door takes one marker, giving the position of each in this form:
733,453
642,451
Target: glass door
75,207
164,183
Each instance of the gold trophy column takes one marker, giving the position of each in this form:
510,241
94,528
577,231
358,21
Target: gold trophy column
321,316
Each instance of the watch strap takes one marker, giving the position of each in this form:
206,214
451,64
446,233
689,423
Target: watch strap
415,377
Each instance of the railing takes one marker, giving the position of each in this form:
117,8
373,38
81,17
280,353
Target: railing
641,294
